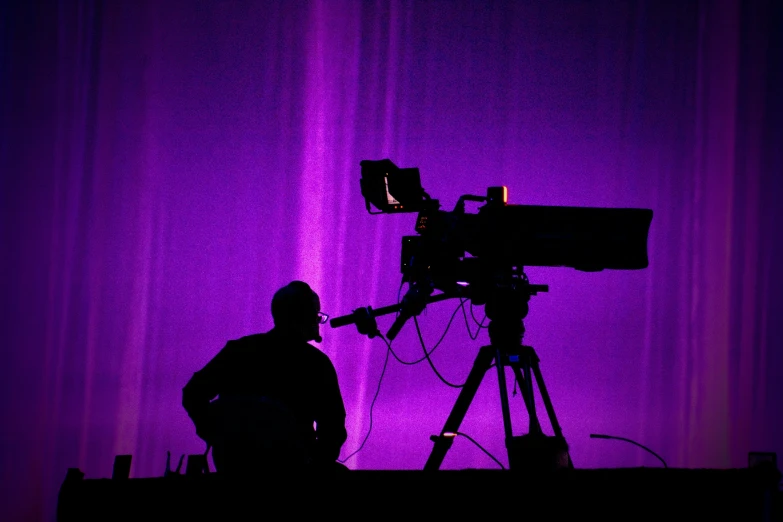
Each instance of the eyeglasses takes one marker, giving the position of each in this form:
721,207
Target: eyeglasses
322,317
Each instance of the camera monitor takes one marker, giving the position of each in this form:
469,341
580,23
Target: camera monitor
391,189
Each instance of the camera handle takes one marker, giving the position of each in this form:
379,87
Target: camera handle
364,318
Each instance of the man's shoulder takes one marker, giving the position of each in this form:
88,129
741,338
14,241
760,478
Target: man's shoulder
272,346
245,343
316,352
255,338
318,359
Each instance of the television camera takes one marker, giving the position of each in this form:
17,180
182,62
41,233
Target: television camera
481,257
471,255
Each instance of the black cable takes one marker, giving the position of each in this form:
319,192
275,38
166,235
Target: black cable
481,448
645,448
480,324
401,361
427,355
407,363
399,291
372,404
467,324
386,362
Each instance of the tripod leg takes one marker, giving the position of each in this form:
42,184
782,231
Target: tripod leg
442,444
548,402
526,389
506,411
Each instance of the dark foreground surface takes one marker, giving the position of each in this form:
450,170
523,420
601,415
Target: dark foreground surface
618,494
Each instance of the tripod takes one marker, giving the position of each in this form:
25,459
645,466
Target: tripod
534,452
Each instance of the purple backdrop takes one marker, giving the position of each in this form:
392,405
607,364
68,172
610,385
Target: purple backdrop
166,166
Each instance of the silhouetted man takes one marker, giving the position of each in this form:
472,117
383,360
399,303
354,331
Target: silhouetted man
279,406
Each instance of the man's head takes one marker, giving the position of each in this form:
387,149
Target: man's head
295,310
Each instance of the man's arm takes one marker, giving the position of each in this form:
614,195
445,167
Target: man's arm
202,387
330,420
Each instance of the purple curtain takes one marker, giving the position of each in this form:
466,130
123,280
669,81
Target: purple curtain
166,166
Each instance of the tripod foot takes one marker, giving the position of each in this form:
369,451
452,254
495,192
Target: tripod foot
538,453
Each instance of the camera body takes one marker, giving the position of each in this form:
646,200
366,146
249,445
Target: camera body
459,248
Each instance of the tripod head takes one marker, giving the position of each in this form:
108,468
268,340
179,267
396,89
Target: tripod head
505,299
507,307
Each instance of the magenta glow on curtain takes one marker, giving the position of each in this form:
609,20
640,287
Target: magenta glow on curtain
166,166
